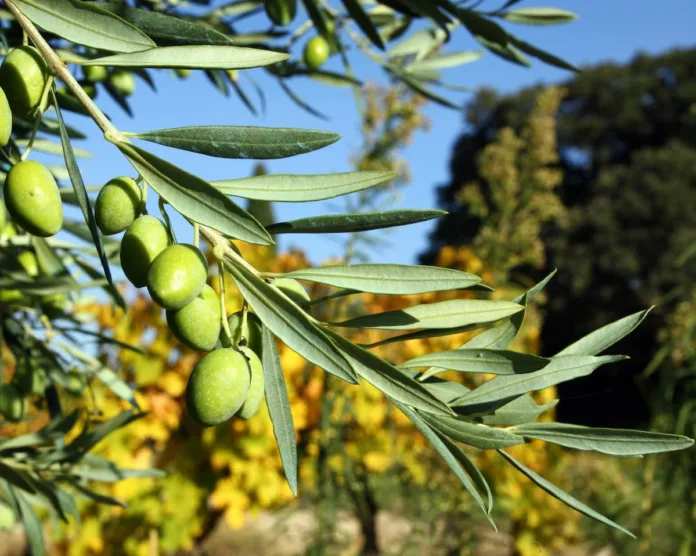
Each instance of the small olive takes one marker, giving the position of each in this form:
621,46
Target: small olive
183,73
316,52
292,289
144,239
33,199
118,204
27,260
218,387
74,383
5,120
197,325
123,82
95,74
249,336
281,12
13,404
7,517
29,378
177,276
256,389
23,76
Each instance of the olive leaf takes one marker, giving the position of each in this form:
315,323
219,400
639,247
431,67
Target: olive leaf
240,142
195,198
302,188
395,279
353,222
85,23
489,361
473,434
444,61
31,522
539,16
517,412
357,12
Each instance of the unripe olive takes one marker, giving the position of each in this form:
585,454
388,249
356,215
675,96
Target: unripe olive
74,383
144,239
23,76
89,89
293,289
281,12
251,334
123,81
29,378
197,325
7,517
3,217
118,204
27,260
13,297
218,387
95,74
5,120
256,387
33,199
183,73
316,52
177,276
13,404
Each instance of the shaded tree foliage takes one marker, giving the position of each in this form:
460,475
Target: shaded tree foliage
627,145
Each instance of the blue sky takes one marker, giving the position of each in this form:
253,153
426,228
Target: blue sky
613,30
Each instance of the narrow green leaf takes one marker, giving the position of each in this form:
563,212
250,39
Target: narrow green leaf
603,338
80,191
445,61
297,99
357,12
539,16
88,439
560,369
420,87
490,361
168,29
258,143
314,11
470,468
17,477
195,198
473,434
443,446
51,147
443,314
419,44
426,333
395,279
302,188
97,497
355,222
615,442
564,497
542,55
96,468
519,411
85,23
289,323
193,57
387,378
279,409
32,525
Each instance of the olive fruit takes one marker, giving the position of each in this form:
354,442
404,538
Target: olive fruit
123,82
144,239
5,120
29,378
281,12
292,289
95,74
256,388
7,517
23,76
177,276
33,199
251,334
118,204
74,383
217,387
197,325
13,297
183,73
27,260
13,404
316,52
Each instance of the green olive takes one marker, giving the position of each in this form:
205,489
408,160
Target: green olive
316,52
249,336
23,76
95,74
217,387
177,276
90,89
5,120
183,73
33,199
123,82
118,204
74,383
144,239
13,297
281,12
292,289
13,404
197,325
27,260
7,517
29,378
255,395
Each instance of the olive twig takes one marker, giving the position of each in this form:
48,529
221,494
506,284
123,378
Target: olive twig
217,240
223,303
196,234
60,70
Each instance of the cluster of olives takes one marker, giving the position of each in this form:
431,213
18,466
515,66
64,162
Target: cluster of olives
121,81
